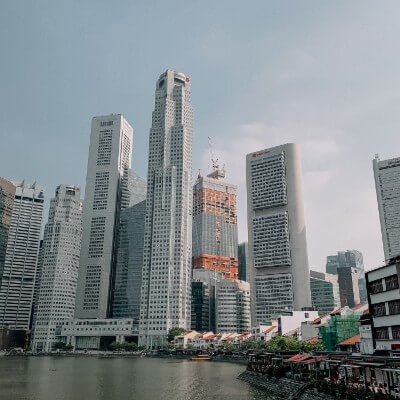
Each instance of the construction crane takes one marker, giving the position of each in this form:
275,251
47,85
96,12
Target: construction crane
216,173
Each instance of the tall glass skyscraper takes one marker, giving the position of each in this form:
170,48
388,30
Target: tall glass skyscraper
167,256
278,260
110,154
19,273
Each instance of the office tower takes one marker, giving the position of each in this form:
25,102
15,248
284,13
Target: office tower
110,154
37,286
348,286
387,184
324,292
19,273
352,259
278,259
204,292
215,224
167,255
129,266
243,260
201,299
59,276
233,306
7,195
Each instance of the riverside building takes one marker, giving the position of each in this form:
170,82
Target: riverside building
387,184
279,272
60,264
233,312
19,271
215,224
110,155
167,255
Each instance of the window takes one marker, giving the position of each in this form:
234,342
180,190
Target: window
375,286
381,333
392,282
396,332
378,310
394,307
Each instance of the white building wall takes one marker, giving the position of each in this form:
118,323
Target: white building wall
19,274
166,284
110,153
61,249
279,271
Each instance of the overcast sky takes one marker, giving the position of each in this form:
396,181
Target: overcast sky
324,74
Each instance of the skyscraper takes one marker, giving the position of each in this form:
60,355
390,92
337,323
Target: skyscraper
279,272
353,260
166,284
60,264
129,266
19,273
324,292
215,225
387,183
243,260
7,195
110,155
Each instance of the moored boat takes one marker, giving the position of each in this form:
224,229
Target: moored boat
200,357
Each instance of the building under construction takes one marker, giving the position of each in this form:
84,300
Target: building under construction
215,243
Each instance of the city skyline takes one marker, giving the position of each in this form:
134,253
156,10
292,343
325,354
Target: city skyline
299,92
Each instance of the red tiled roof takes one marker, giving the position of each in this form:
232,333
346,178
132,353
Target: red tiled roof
312,340
299,357
350,341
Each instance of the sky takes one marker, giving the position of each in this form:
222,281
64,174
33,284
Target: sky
321,73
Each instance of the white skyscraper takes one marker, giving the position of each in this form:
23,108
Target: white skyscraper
18,277
165,300
61,249
110,154
279,271
387,183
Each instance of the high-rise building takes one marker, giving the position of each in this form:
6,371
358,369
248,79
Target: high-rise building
349,290
233,306
167,256
278,260
324,292
37,287
110,155
128,272
204,293
243,260
7,195
387,183
19,273
60,264
352,259
215,224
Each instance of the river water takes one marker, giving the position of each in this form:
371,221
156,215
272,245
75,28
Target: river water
92,378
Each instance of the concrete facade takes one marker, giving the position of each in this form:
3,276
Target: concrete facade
110,153
60,264
20,265
279,271
387,184
167,255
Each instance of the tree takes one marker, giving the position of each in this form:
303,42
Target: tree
59,346
69,347
173,332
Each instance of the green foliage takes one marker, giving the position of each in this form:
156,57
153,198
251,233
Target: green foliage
59,346
228,346
282,343
69,347
125,346
173,332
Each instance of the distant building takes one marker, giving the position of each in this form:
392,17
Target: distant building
243,259
278,260
384,305
19,272
233,306
324,292
7,195
214,234
348,286
387,183
37,287
352,259
60,264
292,320
167,254
110,153
129,266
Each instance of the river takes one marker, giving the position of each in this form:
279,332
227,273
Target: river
92,378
